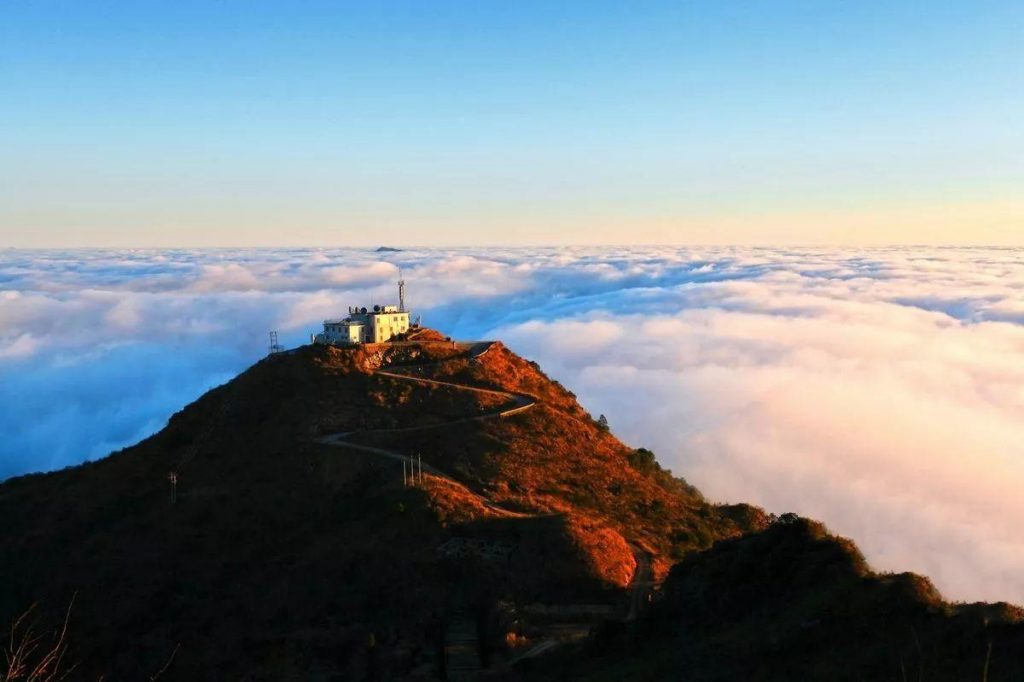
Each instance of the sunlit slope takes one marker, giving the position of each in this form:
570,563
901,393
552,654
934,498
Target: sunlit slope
279,552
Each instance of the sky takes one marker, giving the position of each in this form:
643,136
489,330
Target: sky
878,390
242,124
811,212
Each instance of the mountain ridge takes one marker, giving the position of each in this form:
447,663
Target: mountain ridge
291,524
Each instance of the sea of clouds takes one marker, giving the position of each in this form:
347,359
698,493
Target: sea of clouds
881,391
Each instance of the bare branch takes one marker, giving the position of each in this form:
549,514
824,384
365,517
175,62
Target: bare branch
167,664
23,643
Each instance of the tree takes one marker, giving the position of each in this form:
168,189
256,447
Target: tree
642,459
602,423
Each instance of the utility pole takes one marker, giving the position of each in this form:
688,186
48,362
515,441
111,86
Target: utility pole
415,475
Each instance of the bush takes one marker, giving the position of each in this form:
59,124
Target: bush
643,459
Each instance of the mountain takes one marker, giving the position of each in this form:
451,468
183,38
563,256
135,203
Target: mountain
793,602
295,542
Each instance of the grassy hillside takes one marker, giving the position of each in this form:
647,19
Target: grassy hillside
291,548
796,603
283,555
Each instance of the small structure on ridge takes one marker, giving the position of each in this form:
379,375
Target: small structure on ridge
376,325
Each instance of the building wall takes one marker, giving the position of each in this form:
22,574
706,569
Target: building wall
373,328
340,333
387,325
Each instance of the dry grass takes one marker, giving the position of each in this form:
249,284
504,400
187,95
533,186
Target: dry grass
794,602
31,656
455,503
281,550
607,551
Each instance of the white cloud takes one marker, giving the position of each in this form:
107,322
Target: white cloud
881,390
901,427
22,345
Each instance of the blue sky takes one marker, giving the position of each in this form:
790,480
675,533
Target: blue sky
256,123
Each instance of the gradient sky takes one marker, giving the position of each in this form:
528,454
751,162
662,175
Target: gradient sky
271,123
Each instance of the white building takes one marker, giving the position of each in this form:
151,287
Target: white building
380,324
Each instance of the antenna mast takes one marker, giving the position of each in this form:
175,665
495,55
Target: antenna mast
401,292
275,347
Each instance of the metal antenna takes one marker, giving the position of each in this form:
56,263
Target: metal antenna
275,347
401,291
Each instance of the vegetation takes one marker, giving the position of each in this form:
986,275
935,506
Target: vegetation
285,557
31,656
794,602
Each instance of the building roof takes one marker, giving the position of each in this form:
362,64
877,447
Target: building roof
358,319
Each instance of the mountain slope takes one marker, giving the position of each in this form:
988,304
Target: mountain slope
296,545
283,553
793,602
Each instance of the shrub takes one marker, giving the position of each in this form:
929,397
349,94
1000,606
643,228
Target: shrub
643,459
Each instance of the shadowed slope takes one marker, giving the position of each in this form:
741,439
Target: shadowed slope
292,549
796,603
282,556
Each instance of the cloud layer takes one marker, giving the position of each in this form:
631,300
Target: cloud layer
881,391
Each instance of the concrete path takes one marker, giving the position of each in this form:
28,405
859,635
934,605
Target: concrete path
641,584
522,402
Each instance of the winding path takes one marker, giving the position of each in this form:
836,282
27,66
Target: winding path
522,402
641,583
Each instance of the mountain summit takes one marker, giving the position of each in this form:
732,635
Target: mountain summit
420,509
